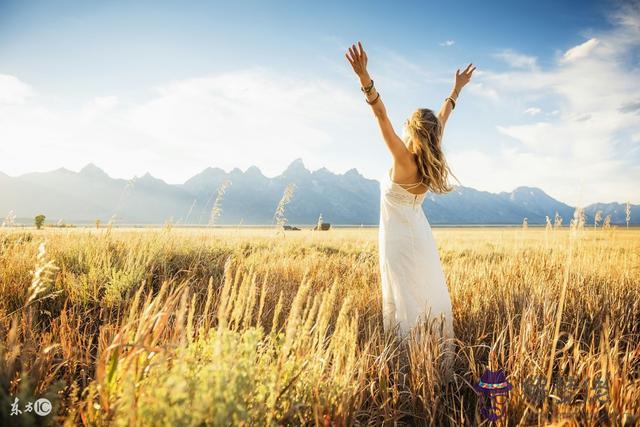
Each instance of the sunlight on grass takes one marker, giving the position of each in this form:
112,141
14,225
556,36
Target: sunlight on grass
228,326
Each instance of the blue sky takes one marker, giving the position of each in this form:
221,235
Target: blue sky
174,87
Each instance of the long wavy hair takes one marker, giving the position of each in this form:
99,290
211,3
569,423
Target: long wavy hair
424,133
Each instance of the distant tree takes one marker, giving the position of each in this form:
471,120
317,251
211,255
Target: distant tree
98,223
39,221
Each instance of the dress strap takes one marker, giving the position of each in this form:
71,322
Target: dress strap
405,186
410,186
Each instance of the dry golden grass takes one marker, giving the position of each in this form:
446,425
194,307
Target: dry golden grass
229,326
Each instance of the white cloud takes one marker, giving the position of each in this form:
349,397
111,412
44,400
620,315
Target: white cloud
533,111
105,102
482,90
255,111
517,60
229,120
566,179
580,51
448,43
580,151
14,91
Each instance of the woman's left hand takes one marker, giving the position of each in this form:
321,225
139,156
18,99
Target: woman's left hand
462,78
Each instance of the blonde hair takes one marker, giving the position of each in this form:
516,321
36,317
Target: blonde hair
424,132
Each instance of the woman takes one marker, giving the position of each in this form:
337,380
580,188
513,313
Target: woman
413,283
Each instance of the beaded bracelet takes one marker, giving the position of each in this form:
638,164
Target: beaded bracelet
374,101
367,89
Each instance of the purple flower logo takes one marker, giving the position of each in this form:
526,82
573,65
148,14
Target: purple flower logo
493,390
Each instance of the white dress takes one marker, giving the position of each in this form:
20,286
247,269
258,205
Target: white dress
411,273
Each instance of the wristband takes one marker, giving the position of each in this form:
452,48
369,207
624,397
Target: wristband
374,101
367,89
453,102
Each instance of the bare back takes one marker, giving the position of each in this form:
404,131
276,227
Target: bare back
407,178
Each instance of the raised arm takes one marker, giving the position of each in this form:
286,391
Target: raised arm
462,78
357,57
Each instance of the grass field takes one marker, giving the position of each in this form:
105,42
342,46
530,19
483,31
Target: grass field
230,326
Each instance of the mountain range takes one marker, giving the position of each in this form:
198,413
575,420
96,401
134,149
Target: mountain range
252,198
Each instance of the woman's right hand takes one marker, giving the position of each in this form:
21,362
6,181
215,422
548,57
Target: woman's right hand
357,57
358,60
